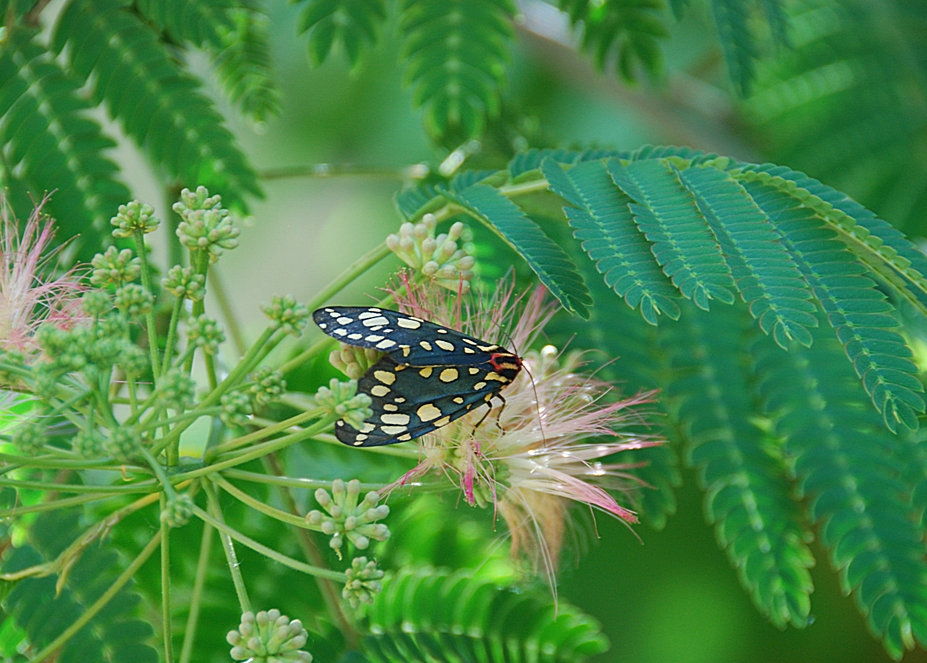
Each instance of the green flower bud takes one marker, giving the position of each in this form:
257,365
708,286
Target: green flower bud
29,437
204,332
342,400
123,443
96,303
177,511
176,390
269,637
236,408
114,267
132,358
184,282
347,518
134,217
268,386
205,226
445,259
363,582
134,300
88,444
287,314
354,361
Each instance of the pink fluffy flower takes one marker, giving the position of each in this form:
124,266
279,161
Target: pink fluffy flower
550,444
28,296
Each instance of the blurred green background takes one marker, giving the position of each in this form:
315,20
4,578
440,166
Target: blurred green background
670,596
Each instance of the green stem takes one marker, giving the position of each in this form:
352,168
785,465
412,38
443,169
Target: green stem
266,509
266,431
92,611
217,522
354,270
166,583
258,451
149,316
172,334
199,581
267,552
290,482
217,288
311,552
140,487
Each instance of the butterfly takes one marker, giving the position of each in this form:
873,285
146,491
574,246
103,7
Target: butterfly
429,375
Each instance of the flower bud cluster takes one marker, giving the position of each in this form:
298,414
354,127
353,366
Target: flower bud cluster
184,282
363,582
133,300
447,259
178,510
134,217
269,637
342,400
205,333
346,518
354,361
29,437
115,267
176,390
88,443
287,314
267,386
205,225
236,408
122,443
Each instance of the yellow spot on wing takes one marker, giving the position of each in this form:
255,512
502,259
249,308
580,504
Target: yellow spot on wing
408,323
445,345
386,377
427,412
379,390
448,375
425,372
396,419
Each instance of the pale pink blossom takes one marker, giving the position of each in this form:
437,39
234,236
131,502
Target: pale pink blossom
29,294
549,445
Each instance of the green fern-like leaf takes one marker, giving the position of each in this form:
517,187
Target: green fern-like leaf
199,23
855,308
550,262
425,615
747,495
243,64
737,41
858,485
117,633
766,274
158,104
353,23
601,219
839,103
670,220
456,54
50,143
628,30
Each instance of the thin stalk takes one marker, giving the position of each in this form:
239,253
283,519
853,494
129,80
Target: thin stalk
267,431
270,553
311,551
140,487
199,581
258,451
228,547
149,316
353,270
217,288
92,611
166,584
171,334
292,482
257,505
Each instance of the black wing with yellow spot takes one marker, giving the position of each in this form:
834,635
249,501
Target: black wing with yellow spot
412,340
426,379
